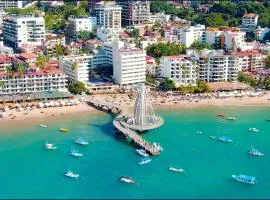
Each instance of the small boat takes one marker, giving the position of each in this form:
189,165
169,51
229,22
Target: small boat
245,179
127,179
255,152
231,118
268,120
50,146
253,130
220,115
81,141
71,174
43,126
75,153
142,152
199,132
225,139
173,169
63,130
212,136
144,161
157,145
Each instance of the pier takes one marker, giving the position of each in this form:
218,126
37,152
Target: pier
128,124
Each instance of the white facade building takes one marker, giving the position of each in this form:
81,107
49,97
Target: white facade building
82,23
107,35
18,30
179,68
129,64
250,20
159,18
261,32
10,4
32,82
108,15
192,34
233,40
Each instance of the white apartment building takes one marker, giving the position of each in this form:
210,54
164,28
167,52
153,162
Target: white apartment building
261,32
10,4
233,40
19,30
108,15
250,20
107,35
137,14
31,82
54,39
81,23
5,62
179,68
129,64
159,18
76,67
212,36
191,34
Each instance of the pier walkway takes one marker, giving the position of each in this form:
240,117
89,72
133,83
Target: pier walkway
126,131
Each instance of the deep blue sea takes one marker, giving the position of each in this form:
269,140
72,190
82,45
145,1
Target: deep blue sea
27,170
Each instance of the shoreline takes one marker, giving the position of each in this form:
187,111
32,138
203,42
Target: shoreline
44,115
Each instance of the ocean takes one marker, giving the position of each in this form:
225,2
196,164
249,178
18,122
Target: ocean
28,170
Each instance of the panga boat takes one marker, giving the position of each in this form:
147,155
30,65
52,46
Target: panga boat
71,174
142,152
212,136
63,130
81,141
157,145
50,146
75,153
173,169
253,130
255,152
43,126
220,115
127,179
144,161
244,179
225,139
199,132
231,118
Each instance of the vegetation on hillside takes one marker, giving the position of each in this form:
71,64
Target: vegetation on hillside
165,49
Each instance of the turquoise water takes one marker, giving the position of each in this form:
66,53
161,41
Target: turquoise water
29,171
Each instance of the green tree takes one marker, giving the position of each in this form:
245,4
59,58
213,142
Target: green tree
247,79
200,46
41,60
76,87
202,86
165,49
20,68
60,50
267,62
2,84
214,20
150,79
83,35
74,66
10,70
167,84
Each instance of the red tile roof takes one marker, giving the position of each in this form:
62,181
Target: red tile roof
246,53
5,58
28,56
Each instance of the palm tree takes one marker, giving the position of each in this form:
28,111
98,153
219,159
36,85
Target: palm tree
20,68
41,60
74,66
10,70
2,84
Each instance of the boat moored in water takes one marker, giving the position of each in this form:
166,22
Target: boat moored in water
220,115
65,130
127,179
245,179
255,152
179,170
142,152
71,174
50,146
231,118
43,126
144,161
253,129
225,139
157,145
81,141
212,136
75,153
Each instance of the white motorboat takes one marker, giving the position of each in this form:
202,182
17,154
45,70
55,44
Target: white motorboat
71,174
50,146
212,136
127,179
75,153
43,126
253,129
255,152
231,118
179,170
144,161
157,145
81,141
142,152
245,179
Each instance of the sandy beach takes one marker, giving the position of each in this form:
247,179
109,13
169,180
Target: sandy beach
127,101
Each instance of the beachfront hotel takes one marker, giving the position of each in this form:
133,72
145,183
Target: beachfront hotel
179,68
33,82
129,64
19,30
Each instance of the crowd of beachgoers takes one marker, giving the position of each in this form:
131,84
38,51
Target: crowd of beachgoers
27,110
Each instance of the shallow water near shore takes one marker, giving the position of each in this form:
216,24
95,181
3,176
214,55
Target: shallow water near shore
29,171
